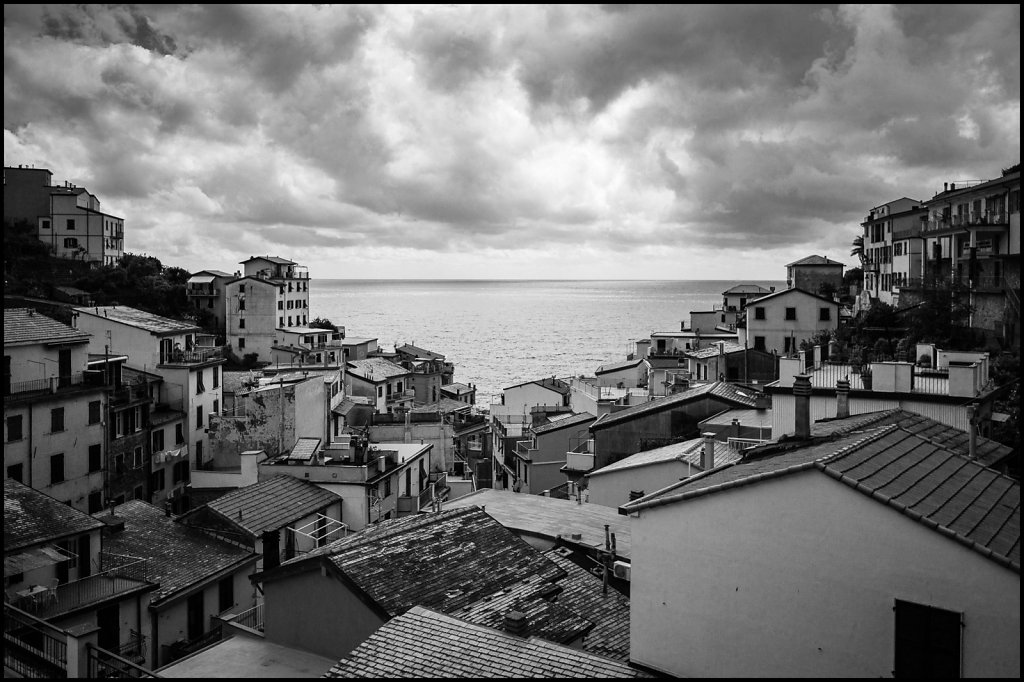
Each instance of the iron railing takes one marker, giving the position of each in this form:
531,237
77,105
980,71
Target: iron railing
33,648
52,384
127,574
251,618
106,664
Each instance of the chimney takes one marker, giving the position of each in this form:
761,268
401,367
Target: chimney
707,455
972,434
762,401
771,289
945,187
842,398
516,623
802,398
735,426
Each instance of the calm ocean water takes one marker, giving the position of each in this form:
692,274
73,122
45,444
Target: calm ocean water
502,332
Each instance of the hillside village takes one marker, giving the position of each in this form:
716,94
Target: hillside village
204,477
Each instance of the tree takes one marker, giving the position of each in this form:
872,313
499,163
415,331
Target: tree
322,323
858,248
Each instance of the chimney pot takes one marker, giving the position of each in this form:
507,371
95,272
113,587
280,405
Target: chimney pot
972,434
802,396
516,623
707,457
843,398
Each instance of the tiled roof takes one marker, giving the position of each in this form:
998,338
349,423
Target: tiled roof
712,351
549,517
457,388
551,383
133,317
746,417
418,352
746,289
616,366
444,560
571,420
814,260
272,259
688,451
178,556
25,326
537,599
584,593
893,465
32,517
375,369
788,292
272,504
444,405
987,451
719,389
424,643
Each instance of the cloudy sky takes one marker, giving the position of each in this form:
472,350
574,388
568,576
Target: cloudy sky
596,142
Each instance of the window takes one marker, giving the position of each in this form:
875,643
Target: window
137,458
241,323
57,419
241,343
56,468
45,224
225,594
200,387
15,471
199,416
94,412
158,440
387,486
289,320
70,243
157,481
825,314
95,502
216,376
95,458
790,313
179,472
788,344
241,288
179,434
216,407
759,343
199,452
927,641
280,322
759,313
71,223
280,305
14,431
241,304
289,305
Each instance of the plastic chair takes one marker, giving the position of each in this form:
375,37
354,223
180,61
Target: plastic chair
50,596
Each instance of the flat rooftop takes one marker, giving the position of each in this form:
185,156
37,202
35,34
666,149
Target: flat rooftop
247,657
549,517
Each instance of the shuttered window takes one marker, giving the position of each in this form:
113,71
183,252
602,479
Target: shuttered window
927,641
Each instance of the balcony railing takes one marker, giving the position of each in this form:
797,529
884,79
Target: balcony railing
191,357
251,618
48,385
107,664
33,648
121,575
399,396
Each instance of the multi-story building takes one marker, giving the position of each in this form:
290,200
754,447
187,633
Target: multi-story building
429,370
67,218
54,406
159,345
540,458
778,322
889,251
971,245
273,294
304,346
736,298
816,274
205,291
384,382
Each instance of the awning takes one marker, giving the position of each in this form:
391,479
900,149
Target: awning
201,279
37,557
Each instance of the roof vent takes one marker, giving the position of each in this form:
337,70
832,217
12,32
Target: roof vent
516,623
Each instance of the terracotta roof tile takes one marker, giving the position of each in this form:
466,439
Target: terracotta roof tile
32,517
26,326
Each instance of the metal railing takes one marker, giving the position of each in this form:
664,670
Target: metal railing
134,649
106,664
130,575
251,618
51,384
33,648
190,357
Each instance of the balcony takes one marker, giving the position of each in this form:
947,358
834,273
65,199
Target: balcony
401,396
202,292
191,357
124,576
54,384
580,458
251,619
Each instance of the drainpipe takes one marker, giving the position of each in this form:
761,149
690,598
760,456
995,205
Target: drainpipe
972,440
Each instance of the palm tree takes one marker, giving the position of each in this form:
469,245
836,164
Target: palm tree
858,248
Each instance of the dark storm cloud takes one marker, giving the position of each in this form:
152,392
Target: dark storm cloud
522,128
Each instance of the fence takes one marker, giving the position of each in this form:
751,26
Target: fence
103,663
33,648
52,384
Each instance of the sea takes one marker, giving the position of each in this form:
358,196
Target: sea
500,333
